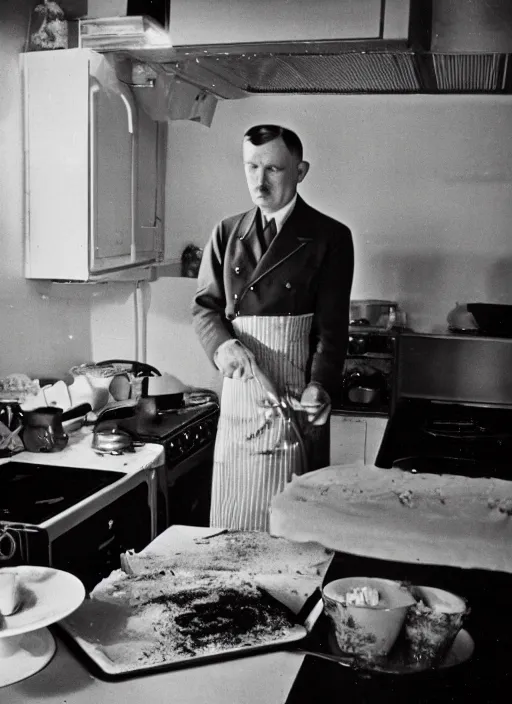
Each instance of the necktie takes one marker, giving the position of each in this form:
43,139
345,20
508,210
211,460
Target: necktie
269,232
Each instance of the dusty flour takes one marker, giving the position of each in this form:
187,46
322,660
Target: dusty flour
182,615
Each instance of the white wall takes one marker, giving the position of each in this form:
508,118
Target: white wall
423,181
40,336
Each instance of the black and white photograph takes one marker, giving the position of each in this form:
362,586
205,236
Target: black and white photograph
256,361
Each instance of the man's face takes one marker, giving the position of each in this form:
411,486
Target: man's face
272,174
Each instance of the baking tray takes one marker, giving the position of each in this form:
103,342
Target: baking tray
296,590
81,634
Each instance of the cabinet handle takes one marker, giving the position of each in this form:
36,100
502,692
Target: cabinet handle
93,91
128,101
129,110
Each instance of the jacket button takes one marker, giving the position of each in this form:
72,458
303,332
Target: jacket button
288,284
235,296
251,288
237,269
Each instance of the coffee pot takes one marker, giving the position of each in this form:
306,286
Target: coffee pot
43,430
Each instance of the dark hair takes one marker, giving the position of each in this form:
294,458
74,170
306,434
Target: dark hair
261,134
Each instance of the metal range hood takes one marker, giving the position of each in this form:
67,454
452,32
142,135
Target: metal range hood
236,49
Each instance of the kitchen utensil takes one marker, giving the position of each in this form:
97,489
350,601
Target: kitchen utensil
459,319
363,387
135,368
4,443
109,438
43,431
364,630
373,313
433,623
9,593
74,417
160,394
491,319
11,414
129,377
292,433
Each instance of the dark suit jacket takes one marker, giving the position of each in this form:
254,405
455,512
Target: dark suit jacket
308,268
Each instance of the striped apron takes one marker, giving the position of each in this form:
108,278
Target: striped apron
255,456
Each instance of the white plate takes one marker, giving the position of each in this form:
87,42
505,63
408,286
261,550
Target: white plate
31,653
47,596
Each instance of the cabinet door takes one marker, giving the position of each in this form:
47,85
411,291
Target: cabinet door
348,439
150,143
112,177
82,156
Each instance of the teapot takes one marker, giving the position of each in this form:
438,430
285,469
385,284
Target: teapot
43,430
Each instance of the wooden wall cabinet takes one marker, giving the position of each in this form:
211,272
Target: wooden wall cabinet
94,171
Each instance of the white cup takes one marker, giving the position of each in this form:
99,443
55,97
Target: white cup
9,593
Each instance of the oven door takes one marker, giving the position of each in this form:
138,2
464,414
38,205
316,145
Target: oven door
189,485
92,548
89,548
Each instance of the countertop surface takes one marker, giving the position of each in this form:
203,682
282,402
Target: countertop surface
262,679
79,453
266,678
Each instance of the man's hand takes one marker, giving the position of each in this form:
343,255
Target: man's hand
234,360
316,402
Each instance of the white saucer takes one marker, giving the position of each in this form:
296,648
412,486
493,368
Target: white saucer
47,595
24,655
399,662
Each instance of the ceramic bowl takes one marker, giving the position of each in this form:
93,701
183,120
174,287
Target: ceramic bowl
366,631
432,624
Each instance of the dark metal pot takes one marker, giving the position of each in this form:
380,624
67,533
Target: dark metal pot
152,406
491,319
43,431
363,388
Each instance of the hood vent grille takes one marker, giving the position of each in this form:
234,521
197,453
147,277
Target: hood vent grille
327,73
468,72
351,72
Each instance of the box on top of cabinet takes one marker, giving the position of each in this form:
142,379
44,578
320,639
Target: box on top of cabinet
94,171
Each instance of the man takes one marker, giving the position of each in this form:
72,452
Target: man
272,312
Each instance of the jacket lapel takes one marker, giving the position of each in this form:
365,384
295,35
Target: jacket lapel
248,236
293,236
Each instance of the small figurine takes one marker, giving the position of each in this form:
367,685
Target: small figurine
191,260
53,30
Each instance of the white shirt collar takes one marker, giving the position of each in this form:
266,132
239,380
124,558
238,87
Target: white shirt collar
280,216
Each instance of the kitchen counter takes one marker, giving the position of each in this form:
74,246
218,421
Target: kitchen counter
262,679
266,678
79,453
